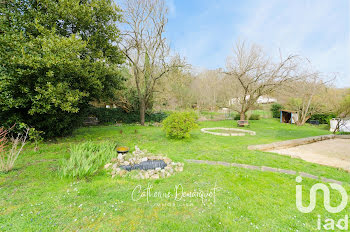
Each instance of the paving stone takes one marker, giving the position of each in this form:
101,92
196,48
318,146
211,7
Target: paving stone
196,161
303,174
269,169
223,163
331,180
237,165
290,172
211,162
251,167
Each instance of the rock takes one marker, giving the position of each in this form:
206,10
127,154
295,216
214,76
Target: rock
158,169
122,172
115,166
151,172
162,171
120,157
168,174
144,159
126,163
107,165
155,176
146,175
181,169
117,170
113,176
167,160
114,160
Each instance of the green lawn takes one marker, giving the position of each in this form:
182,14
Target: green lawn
34,198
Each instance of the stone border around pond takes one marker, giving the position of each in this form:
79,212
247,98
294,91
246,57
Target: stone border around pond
241,132
138,156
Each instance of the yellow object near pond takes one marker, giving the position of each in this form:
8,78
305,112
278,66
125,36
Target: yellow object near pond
122,149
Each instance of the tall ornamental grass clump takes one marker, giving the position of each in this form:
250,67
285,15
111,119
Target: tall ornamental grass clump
179,124
10,149
85,159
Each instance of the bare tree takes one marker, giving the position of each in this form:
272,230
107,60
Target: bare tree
145,46
257,75
311,95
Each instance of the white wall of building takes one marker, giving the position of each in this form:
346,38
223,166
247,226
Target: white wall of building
344,125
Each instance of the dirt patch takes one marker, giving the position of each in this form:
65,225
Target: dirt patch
331,152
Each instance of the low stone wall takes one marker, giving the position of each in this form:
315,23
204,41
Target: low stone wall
290,143
342,136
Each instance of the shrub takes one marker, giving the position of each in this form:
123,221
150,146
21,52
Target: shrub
254,117
85,159
58,123
179,124
323,118
112,115
8,156
275,109
35,136
238,117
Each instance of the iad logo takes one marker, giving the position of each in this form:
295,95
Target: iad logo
326,195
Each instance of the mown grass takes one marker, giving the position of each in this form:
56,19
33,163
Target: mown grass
33,197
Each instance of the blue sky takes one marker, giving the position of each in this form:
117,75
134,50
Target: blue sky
204,32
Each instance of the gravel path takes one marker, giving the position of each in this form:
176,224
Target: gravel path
332,152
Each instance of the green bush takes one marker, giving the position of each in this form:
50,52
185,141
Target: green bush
254,117
237,117
275,109
323,118
56,124
179,124
85,159
112,115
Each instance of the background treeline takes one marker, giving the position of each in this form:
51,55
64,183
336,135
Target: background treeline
60,58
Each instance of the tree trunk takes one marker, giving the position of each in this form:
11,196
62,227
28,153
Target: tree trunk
242,117
142,112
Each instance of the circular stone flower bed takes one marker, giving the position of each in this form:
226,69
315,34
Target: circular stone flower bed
237,132
143,165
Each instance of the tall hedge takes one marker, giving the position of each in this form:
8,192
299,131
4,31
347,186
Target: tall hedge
275,109
112,115
323,118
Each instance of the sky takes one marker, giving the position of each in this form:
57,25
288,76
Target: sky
204,31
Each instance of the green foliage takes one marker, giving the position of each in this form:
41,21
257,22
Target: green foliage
179,124
254,117
85,159
55,57
238,117
323,118
38,178
275,109
112,115
35,136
